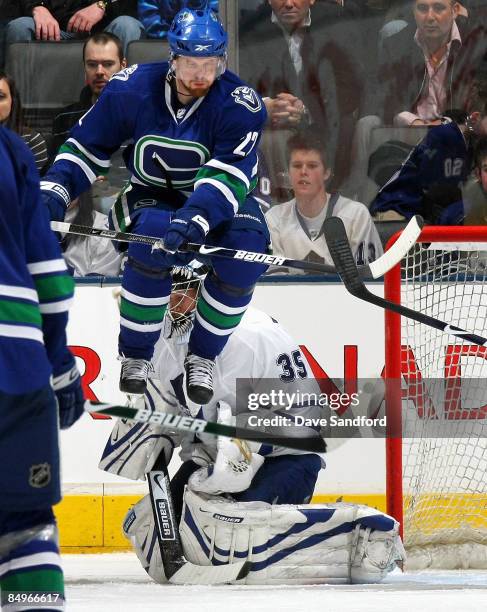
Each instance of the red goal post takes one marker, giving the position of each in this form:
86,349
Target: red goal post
436,471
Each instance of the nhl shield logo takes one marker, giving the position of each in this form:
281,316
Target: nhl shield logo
248,98
40,475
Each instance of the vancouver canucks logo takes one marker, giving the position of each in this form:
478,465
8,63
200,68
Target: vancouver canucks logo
247,97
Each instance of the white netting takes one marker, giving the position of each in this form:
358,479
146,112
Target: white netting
445,451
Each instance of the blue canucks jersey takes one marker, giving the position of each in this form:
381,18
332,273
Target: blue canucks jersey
35,288
203,153
442,158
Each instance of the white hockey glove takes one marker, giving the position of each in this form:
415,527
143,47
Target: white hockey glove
234,467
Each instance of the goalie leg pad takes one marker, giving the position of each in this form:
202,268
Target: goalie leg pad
304,544
139,528
132,449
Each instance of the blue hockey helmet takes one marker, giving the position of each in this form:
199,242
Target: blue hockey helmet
197,33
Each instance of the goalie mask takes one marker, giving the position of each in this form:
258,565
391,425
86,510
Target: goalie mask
186,285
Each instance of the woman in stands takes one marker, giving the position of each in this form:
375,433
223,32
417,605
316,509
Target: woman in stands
11,116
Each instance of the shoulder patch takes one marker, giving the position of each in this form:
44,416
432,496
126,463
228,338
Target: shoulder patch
124,74
247,97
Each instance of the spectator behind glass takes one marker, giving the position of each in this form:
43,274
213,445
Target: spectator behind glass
74,19
102,58
11,116
424,69
297,55
431,180
88,255
297,226
156,15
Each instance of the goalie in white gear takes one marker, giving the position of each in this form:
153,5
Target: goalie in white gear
232,485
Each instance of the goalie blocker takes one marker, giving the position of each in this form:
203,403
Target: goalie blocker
285,544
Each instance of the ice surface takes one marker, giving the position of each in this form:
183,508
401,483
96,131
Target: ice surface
117,583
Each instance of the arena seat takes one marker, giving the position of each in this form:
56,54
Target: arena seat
146,51
49,75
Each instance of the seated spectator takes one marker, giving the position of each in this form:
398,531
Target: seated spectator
156,15
290,53
297,226
424,69
431,179
89,255
11,116
102,58
430,67
74,19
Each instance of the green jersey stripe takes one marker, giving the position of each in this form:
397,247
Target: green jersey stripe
18,312
51,288
238,188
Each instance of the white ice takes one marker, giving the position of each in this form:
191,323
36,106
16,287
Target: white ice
117,583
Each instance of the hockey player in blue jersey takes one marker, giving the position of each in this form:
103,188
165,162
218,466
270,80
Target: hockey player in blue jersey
195,128
35,292
430,181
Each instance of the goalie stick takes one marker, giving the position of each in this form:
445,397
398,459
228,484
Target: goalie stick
341,253
197,426
375,269
176,568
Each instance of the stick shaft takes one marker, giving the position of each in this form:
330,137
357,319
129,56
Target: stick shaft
375,269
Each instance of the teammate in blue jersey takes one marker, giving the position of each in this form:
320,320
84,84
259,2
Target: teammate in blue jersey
35,292
429,182
195,129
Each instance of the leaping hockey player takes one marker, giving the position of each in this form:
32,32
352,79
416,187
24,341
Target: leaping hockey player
195,128
40,386
245,500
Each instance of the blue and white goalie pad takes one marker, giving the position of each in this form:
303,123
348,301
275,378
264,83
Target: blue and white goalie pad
306,544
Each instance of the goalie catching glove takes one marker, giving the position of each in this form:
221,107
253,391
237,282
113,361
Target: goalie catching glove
235,464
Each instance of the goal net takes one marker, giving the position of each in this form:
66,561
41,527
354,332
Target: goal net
437,464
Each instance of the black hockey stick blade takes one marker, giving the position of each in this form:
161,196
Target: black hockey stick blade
190,424
375,269
344,261
177,568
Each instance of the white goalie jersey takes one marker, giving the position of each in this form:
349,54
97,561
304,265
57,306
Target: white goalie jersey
291,239
260,373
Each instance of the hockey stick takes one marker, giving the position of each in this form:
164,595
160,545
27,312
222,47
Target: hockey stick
197,426
375,269
343,259
176,568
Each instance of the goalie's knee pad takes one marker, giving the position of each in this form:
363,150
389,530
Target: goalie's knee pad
305,544
133,448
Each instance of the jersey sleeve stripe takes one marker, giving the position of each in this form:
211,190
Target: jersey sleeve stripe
223,189
47,266
14,311
215,163
52,288
238,188
72,157
18,292
104,163
56,307
21,331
